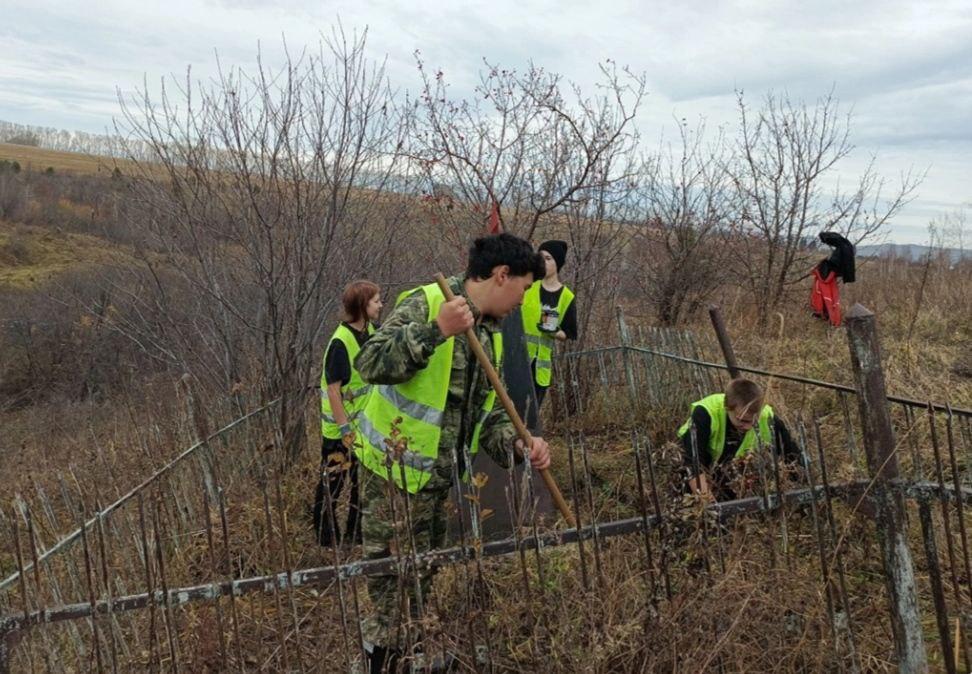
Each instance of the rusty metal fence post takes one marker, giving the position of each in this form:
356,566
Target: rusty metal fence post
890,515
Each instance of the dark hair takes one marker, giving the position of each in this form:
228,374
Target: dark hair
356,297
742,393
498,249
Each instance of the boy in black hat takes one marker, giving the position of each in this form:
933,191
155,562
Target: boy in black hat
549,315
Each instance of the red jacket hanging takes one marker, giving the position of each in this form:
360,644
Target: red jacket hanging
494,226
825,297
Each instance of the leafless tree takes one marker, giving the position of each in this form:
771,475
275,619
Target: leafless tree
62,140
945,250
597,227
549,158
953,231
686,198
783,172
265,193
527,142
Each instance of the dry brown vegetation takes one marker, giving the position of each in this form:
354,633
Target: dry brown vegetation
39,159
87,412
114,286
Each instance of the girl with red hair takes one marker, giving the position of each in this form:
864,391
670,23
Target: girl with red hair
343,393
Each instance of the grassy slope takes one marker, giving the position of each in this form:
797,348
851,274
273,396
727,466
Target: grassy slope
38,159
31,256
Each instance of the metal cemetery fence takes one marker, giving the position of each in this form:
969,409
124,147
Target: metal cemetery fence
207,564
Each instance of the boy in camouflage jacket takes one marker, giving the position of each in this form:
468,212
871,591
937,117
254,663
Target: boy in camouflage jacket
500,269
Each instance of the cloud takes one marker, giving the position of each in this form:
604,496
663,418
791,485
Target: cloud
866,47
904,67
922,114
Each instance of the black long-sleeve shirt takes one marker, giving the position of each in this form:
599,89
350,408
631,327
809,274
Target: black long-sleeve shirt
550,300
337,365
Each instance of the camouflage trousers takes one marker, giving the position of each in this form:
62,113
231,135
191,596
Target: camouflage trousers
387,530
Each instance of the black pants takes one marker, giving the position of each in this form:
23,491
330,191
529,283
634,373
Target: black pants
334,457
541,391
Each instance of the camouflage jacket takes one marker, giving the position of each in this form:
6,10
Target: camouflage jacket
404,345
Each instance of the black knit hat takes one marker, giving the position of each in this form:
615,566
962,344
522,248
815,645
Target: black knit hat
557,250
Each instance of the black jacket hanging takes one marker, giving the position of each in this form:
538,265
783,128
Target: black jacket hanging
841,260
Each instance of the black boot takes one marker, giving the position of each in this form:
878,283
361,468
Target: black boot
382,660
352,532
325,524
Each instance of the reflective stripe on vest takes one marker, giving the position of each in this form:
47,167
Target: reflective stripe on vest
416,410
540,345
347,394
401,424
715,405
353,394
411,460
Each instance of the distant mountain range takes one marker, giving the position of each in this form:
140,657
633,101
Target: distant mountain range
910,251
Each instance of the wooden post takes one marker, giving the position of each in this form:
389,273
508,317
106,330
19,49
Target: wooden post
724,343
890,515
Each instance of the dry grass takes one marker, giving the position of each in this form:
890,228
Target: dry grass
31,256
38,159
924,366
764,612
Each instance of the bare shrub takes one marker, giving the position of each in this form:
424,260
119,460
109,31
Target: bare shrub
686,199
270,197
551,159
784,158
57,344
13,196
524,141
597,226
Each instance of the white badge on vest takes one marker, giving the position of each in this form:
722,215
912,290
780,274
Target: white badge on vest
549,318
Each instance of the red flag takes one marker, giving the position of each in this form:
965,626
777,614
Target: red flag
494,226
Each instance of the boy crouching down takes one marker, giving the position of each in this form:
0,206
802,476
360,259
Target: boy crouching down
724,431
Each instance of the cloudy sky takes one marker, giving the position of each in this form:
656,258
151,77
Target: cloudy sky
903,68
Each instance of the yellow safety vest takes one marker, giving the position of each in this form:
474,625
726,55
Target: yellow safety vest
353,393
715,405
407,418
539,344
